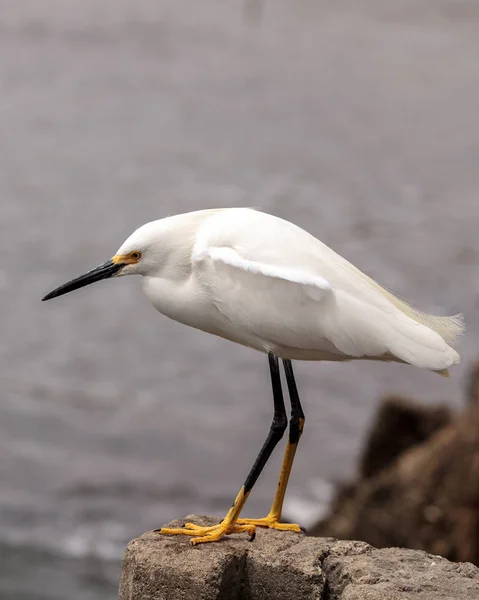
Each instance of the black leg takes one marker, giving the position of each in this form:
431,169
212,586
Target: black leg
231,523
272,520
277,429
296,423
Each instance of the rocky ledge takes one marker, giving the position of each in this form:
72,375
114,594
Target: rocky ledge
287,566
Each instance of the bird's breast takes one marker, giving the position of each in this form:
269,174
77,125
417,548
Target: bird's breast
184,302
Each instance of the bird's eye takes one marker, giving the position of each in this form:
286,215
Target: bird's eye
135,255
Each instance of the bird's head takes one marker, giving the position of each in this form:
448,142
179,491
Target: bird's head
140,254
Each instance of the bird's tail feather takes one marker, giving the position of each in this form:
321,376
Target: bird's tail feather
396,333
449,328
423,347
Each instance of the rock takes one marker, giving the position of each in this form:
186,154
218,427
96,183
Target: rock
158,567
286,566
400,424
426,498
276,566
366,573
472,391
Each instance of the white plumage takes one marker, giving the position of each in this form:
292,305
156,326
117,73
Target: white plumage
263,282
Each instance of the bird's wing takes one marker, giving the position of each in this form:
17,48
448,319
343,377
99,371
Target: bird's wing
274,303
274,282
311,285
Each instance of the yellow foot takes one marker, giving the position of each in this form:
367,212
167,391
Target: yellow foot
208,534
270,522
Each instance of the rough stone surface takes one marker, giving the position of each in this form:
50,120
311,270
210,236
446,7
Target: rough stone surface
287,566
168,568
357,571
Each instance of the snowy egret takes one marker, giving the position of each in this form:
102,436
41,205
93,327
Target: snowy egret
263,282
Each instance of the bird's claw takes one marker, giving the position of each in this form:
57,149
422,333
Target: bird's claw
214,533
271,522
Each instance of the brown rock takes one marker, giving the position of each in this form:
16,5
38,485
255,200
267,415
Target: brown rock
276,566
427,498
472,392
400,424
287,566
157,567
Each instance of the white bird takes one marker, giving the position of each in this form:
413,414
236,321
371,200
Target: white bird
262,282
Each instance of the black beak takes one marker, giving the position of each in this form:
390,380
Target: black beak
104,271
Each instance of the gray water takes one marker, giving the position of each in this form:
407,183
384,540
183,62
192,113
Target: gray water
357,121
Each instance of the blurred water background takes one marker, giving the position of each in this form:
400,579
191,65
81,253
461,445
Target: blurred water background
356,120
